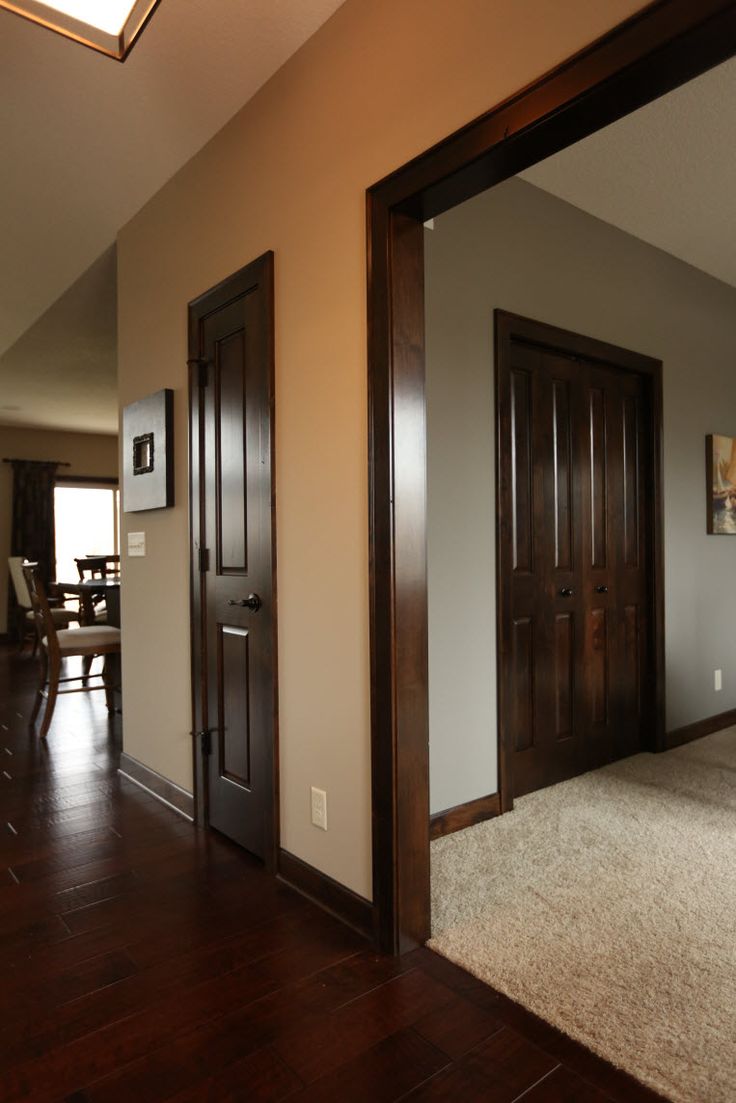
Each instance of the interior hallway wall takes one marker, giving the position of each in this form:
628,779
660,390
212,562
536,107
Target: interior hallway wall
380,82
522,250
87,453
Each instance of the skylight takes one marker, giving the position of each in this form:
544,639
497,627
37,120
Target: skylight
110,26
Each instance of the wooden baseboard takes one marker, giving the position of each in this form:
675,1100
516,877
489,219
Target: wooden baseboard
342,902
710,724
158,785
464,815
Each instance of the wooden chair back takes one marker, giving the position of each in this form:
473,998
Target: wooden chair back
97,566
15,565
43,620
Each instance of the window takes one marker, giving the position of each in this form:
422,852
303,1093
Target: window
87,523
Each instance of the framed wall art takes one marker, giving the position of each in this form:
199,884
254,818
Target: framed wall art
148,453
720,468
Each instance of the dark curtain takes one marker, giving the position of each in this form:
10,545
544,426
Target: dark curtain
32,532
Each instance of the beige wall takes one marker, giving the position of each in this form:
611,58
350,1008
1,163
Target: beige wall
87,453
523,250
379,83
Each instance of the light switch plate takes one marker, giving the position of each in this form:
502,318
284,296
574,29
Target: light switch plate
136,543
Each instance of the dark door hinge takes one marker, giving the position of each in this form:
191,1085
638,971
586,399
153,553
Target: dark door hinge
204,559
205,740
202,366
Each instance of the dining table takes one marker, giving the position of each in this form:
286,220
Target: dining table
90,588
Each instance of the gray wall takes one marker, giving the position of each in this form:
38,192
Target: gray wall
520,249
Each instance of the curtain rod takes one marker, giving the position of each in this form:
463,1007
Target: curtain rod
58,463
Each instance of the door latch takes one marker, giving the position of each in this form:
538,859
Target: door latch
205,740
252,602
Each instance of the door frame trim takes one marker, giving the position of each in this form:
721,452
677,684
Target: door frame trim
660,48
258,272
508,326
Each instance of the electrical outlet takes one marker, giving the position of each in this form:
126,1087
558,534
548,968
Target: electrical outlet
319,808
717,680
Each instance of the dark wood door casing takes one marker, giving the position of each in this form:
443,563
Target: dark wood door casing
578,436
233,557
667,44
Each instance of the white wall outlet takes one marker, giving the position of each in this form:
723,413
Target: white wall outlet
717,680
319,808
136,543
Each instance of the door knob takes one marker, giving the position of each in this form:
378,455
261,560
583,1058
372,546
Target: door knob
252,602
601,589
565,592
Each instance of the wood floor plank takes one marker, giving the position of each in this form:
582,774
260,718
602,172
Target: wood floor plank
147,1009
564,1086
383,1073
499,1070
458,1027
316,1047
512,1058
262,1077
143,959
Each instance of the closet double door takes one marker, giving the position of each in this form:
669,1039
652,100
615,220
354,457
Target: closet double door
574,558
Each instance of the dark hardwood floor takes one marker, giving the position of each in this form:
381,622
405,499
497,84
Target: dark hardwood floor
144,960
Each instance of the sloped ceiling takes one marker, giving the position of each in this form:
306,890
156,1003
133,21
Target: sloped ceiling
85,141
666,174
62,372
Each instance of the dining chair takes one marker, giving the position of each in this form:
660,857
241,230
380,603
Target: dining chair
97,566
90,567
61,616
60,644
93,607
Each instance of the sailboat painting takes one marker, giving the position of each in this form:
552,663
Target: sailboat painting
720,455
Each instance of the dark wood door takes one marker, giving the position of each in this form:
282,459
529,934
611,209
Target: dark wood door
575,554
231,344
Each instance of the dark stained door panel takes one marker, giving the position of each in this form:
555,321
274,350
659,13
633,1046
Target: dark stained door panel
575,557
232,335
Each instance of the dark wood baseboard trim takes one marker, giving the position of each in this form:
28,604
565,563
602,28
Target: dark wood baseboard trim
710,724
342,902
158,785
464,815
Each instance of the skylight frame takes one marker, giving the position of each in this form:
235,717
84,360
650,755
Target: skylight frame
116,46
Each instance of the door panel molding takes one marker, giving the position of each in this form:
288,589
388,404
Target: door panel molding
660,48
584,689
205,379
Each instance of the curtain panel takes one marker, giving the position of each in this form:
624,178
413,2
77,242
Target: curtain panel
32,532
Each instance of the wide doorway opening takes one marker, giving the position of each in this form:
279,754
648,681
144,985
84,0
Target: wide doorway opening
550,364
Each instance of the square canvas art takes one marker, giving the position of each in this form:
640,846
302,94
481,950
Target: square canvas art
720,455
148,455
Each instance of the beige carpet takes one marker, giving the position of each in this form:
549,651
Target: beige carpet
607,905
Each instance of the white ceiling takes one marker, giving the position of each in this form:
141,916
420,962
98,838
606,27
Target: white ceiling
666,174
85,141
